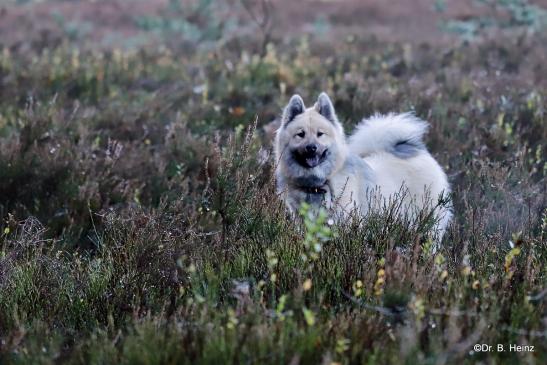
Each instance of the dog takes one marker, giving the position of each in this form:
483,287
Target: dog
384,160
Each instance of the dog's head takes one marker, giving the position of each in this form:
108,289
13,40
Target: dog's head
310,142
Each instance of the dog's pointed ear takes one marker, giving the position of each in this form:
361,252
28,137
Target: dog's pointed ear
325,108
294,108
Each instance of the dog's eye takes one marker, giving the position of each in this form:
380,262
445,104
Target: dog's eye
319,134
301,134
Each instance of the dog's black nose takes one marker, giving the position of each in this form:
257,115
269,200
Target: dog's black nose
311,148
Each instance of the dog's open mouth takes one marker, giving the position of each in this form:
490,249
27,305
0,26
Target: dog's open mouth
310,160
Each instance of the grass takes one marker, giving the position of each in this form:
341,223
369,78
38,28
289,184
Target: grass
140,223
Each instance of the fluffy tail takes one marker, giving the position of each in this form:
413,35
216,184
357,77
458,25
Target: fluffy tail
399,134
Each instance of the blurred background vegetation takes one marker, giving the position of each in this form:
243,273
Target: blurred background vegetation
139,222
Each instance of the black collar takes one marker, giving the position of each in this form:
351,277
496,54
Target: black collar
313,190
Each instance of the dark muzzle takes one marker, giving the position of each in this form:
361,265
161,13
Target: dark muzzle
310,156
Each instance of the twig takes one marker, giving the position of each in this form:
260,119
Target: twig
538,297
523,332
264,23
382,310
401,310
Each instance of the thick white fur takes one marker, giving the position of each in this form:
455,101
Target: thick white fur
421,175
380,132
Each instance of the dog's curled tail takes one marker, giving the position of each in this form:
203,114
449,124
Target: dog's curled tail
399,134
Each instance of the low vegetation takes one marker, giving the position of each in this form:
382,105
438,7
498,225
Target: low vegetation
140,223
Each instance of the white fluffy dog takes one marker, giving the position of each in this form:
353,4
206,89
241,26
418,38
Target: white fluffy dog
384,160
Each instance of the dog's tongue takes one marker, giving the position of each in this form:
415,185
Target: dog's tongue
312,161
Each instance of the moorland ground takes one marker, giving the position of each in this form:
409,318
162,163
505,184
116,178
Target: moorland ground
139,220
